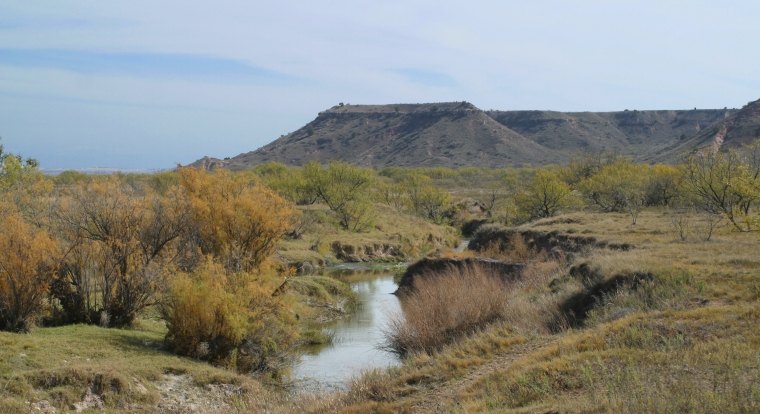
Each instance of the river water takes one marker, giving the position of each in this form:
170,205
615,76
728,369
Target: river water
356,337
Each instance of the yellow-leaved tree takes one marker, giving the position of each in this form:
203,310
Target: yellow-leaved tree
234,219
345,189
27,265
726,183
620,186
222,307
229,319
544,196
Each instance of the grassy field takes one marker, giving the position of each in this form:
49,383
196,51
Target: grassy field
88,367
684,340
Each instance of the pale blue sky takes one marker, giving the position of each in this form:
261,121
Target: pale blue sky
148,84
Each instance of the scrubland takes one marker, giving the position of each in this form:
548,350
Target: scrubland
188,291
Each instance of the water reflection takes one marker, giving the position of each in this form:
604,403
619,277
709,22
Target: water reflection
356,337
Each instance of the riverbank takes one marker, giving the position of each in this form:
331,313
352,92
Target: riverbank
681,337
394,238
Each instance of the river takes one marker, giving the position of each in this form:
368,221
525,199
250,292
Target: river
356,337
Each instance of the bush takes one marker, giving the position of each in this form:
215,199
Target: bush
620,187
545,196
345,189
726,183
26,268
445,307
118,242
227,319
234,219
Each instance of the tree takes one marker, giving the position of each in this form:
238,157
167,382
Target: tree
544,196
26,268
345,189
22,183
229,319
425,199
587,165
726,183
119,244
664,186
221,307
289,182
233,219
619,187
392,194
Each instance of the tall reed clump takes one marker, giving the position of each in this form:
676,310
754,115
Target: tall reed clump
444,307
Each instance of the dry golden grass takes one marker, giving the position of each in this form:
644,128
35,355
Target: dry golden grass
683,340
441,309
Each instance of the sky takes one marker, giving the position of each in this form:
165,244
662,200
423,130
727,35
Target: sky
151,84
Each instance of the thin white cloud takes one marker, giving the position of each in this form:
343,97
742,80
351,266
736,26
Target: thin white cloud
584,55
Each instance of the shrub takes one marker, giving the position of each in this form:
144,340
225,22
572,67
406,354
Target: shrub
545,196
346,191
620,186
118,244
229,319
234,219
726,183
443,308
26,268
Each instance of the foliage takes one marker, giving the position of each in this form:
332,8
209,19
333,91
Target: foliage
118,244
544,196
426,200
346,191
233,219
618,187
229,319
587,165
70,177
22,183
289,182
26,268
392,194
665,185
726,183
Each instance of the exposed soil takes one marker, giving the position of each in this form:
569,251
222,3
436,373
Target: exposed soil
432,267
180,394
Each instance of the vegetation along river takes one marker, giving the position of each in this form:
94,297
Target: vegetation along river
356,337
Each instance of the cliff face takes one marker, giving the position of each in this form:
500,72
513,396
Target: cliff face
457,134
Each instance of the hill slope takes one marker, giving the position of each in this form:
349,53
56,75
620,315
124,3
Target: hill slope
457,134
737,129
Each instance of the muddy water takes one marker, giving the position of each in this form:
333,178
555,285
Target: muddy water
356,337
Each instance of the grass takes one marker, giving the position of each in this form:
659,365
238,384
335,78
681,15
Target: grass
123,368
129,370
443,308
395,237
317,300
682,338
